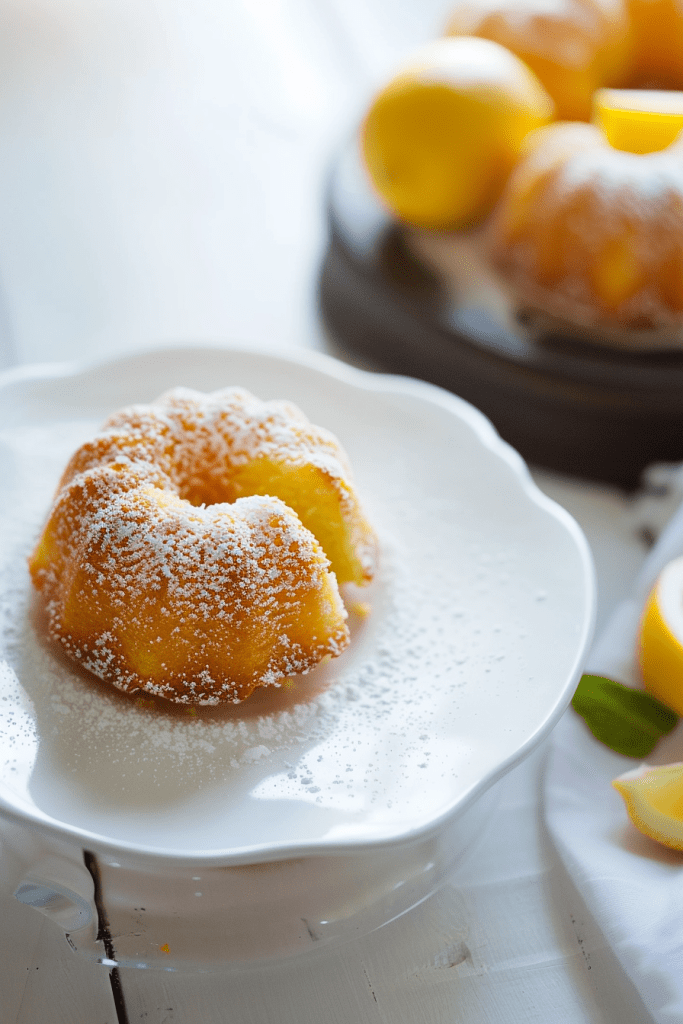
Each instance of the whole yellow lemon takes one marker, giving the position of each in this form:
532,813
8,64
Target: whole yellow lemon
440,140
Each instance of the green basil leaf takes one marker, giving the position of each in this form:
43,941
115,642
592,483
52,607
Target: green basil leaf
625,720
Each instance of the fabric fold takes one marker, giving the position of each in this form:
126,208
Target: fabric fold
632,885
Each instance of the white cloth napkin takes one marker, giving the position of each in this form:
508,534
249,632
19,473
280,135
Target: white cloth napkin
633,886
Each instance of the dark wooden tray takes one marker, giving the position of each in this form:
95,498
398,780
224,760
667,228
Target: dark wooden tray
581,409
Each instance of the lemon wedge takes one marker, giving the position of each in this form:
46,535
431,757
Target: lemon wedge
661,638
440,140
654,801
638,120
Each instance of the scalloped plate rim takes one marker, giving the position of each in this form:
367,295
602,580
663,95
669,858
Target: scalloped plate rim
369,381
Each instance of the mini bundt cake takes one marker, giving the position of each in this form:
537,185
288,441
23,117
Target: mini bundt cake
593,235
195,545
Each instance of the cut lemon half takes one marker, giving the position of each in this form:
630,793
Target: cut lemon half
654,801
661,638
638,120
440,140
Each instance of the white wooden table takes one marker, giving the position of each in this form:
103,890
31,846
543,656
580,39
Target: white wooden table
162,168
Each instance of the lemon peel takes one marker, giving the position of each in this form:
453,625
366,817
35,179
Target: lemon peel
654,801
440,140
660,648
638,120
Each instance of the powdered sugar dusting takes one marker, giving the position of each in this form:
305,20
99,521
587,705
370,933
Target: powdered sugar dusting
131,724
166,564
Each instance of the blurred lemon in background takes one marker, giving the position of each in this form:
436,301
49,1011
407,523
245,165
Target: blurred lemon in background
440,140
661,638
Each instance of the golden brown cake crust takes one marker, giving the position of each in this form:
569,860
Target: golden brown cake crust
161,573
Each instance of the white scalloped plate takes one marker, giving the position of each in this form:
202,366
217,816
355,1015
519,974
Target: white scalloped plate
480,620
